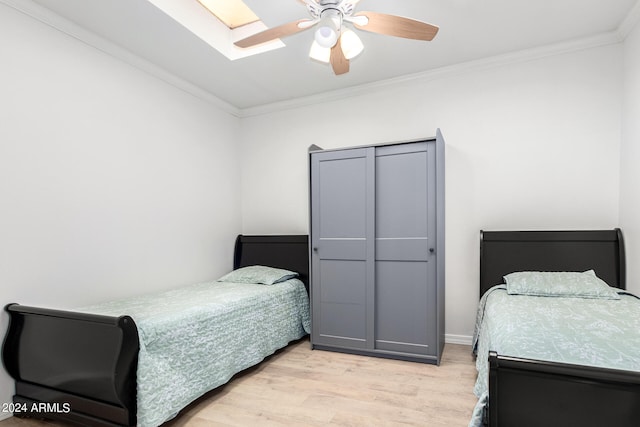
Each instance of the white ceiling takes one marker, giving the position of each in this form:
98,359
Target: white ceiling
469,30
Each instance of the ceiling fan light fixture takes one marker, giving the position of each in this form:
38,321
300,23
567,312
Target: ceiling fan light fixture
328,30
326,37
319,53
351,44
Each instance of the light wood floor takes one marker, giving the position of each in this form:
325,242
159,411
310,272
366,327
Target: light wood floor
301,387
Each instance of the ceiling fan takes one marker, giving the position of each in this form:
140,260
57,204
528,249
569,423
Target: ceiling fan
334,42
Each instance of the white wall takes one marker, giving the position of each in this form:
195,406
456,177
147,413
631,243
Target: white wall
112,183
630,159
530,145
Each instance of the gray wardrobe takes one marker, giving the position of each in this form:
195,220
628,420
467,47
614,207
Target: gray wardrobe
377,249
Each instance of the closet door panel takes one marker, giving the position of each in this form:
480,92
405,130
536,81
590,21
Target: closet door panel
342,197
342,266
405,274
341,309
402,249
401,192
404,308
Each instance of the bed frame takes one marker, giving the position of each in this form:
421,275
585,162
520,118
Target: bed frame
525,392
81,367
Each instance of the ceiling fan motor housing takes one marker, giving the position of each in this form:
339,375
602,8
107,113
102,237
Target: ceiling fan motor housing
316,10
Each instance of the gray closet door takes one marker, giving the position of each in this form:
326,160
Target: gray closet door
342,219
405,270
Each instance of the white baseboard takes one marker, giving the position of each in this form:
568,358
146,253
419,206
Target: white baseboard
5,415
458,339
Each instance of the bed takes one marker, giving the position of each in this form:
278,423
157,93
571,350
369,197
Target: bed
140,361
571,359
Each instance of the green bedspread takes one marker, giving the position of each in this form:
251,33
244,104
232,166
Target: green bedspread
195,338
594,332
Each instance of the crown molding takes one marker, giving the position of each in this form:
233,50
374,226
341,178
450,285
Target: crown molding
599,40
630,22
91,39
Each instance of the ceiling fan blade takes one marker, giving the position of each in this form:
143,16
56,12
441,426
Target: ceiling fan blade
339,62
397,26
275,33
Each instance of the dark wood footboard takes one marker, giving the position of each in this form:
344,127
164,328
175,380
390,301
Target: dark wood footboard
535,393
83,367
74,366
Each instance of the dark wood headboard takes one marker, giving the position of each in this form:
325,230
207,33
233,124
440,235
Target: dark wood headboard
503,252
290,252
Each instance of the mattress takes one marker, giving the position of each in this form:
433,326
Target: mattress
594,332
195,338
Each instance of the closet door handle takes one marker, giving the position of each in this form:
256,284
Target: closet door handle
315,249
432,250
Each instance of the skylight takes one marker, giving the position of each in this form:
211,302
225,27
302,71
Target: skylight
207,23
233,13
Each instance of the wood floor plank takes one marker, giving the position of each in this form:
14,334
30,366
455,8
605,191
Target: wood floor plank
298,386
